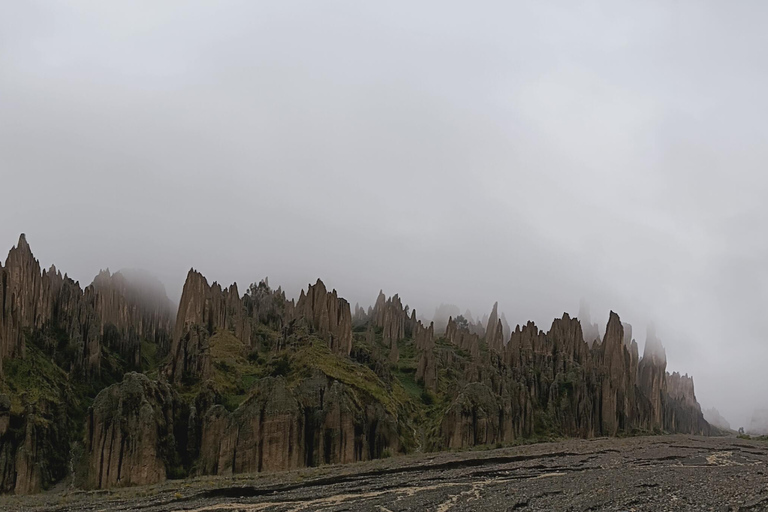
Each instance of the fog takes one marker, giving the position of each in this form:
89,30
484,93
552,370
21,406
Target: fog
530,153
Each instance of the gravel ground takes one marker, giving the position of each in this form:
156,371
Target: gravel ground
673,473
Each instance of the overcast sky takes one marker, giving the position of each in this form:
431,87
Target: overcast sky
531,153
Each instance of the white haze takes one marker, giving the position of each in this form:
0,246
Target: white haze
531,153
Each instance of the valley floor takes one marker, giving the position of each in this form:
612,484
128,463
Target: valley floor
642,473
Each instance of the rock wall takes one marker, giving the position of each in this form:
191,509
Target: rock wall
553,382
130,434
280,428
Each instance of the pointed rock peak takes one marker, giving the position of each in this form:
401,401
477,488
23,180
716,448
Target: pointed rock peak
614,331
495,308
22,247
193,276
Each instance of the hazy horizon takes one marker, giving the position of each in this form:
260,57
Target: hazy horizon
531,154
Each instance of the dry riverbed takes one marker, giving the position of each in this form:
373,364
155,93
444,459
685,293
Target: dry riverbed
642,473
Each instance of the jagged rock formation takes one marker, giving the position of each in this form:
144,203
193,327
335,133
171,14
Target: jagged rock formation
390,316
205,309
426,371
494,333
682,410
506,329
109,313
652,375
329,315
462,338
553,381
260,383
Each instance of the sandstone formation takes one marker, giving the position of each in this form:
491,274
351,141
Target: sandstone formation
257,382
426,371
108,313
329,315
279,428
130,436
494,332
394,320
206,309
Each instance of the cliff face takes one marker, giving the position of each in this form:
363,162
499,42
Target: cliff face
108,313
280,427
256,382
426,371
206,309
553,382
494,332
203,310
130,433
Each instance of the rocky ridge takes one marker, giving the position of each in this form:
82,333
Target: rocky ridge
102,380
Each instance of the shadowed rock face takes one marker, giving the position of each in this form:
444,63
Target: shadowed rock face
425,346
280,428
130,433
203,310
109,313
206,309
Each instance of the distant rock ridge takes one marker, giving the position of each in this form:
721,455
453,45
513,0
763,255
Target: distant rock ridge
256,382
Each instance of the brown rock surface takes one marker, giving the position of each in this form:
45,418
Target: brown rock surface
130,433
329,316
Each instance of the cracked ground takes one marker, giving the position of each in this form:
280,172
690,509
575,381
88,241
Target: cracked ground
641,473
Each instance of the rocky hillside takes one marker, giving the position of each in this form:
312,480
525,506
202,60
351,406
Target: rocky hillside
105,386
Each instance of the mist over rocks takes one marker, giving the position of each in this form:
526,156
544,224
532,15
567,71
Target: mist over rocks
107,384
758,424
716,419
